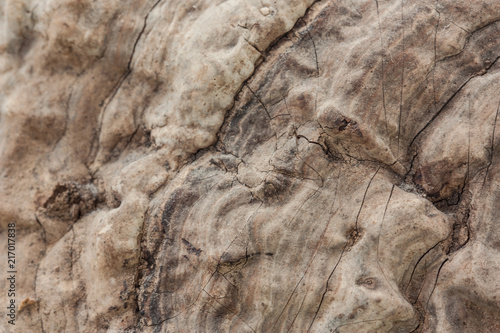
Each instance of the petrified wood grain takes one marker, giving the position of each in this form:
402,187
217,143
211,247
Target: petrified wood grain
251,166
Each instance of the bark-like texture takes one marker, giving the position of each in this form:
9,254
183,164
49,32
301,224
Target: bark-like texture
251,166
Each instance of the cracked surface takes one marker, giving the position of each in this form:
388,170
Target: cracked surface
251,166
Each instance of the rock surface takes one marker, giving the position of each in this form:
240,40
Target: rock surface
251,166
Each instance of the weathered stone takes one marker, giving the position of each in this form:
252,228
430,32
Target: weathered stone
251,166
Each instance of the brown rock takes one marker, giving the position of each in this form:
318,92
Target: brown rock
251,166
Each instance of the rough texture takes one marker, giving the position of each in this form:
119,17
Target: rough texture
251,166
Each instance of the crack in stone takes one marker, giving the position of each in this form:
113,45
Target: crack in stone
378,238
364,197
418,262
260,101
326,287
492,145
436,115
435,282
128,71
402,76
228,309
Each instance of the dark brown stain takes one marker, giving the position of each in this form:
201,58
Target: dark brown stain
355,311
353,236
367,282
191,248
